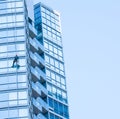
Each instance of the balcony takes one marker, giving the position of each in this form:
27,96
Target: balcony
36,106
36,92
32,31
41,116
34,59
39,90
37,60
44,91
40,46
41,60
44,105
36,46
33,45
35,117
37,74
42,75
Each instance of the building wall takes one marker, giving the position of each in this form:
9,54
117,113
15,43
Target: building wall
13,82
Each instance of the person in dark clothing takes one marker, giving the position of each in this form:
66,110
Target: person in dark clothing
15,61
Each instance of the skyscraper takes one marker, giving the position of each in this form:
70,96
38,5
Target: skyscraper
32,75
47,23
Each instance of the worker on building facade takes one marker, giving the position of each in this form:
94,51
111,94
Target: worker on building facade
15,61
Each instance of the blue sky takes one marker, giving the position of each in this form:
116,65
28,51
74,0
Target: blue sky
91,40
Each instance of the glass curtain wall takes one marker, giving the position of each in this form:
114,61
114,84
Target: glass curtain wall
13,81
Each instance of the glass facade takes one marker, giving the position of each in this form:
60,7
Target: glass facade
13,82
32,73
47,23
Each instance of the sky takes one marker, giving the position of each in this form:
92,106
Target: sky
91,41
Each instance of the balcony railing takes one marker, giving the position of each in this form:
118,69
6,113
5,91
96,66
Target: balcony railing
41,60
33,45
32,31
45,106
41,116
37,74
36,106
35,117
39,90
44,91
42,75
40,46
36,46
36,92
35,60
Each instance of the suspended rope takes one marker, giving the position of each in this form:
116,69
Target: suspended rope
15,63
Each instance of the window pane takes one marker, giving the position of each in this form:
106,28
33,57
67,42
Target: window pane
23,112
13,96
22,95
52,75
